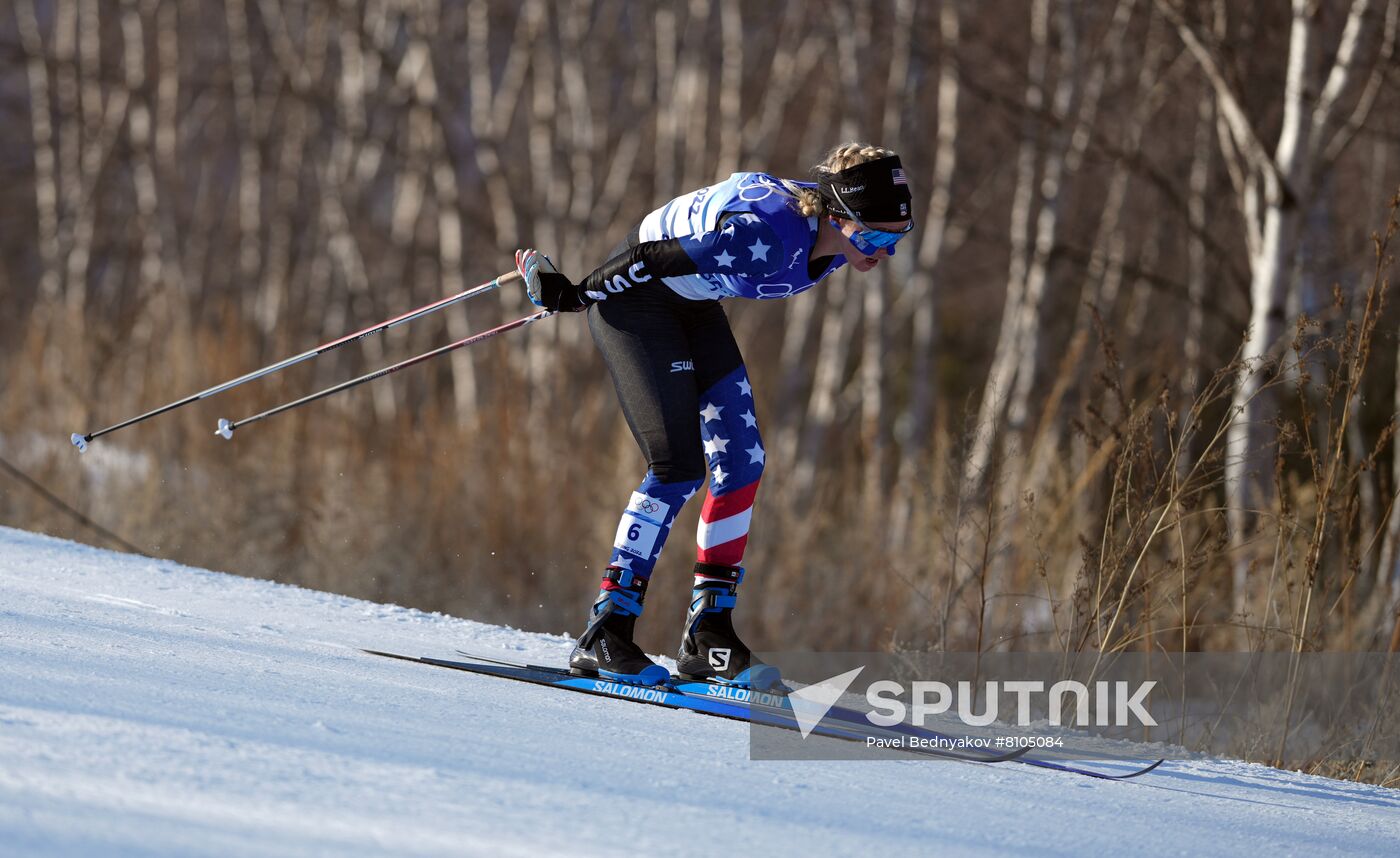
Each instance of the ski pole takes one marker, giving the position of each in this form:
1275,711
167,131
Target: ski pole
226,427
81,441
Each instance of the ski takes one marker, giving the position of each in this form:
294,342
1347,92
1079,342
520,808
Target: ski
1090,773
711,691
672,698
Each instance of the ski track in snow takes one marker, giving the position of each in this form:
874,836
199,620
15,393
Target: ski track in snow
148,708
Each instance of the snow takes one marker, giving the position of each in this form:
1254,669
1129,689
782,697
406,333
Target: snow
147,708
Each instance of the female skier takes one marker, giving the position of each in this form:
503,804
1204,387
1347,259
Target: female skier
654,312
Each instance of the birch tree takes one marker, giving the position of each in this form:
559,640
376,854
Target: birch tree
1323,105
912,426
1044,167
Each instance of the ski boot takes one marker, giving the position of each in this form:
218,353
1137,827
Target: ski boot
710,649
606,649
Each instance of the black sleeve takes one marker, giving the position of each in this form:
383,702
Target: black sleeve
741,244
637,266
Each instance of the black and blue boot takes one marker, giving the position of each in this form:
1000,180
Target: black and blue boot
711,649
606,649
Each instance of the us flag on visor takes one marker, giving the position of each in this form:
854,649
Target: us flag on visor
899,177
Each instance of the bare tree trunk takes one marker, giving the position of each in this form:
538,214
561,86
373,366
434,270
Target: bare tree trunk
1275,189
797,52
1140,298
46,192
731,87
1001,374
801,321
1387,575
1198,184
667,120
853,21
168,311
450,244
102,120
688,107
797,437
1026,344
1035,221
913,425
1104,274
249,160
581,189
1388,569
544,225
70,137
165,136
1248,445
876,344
619,179
491,115
843,307
437,218
72,40
1063,159
844,304
492,108
300,65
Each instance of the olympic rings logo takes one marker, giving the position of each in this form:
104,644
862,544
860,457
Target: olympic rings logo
777,290
648,505
758,184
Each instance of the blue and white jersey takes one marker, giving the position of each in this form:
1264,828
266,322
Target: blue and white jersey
744,236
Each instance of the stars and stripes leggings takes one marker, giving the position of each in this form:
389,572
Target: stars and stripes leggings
682,385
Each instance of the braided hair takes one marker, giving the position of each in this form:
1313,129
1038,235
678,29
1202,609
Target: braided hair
843,157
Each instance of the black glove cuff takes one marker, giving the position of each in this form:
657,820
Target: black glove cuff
560,294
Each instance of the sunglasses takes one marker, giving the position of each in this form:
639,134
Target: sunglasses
868,240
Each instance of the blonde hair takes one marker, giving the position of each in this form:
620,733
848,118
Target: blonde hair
843,157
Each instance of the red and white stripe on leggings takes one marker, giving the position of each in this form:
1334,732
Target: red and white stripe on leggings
724,525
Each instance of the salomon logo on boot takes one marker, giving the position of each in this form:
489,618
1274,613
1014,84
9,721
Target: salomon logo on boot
710,648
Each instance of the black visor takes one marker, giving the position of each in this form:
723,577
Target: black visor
876,191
